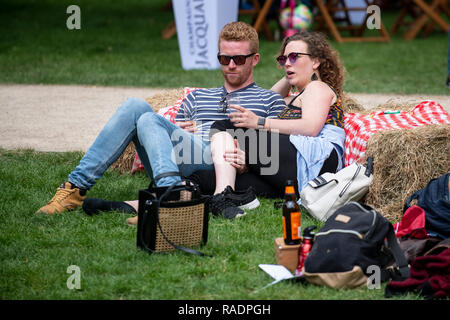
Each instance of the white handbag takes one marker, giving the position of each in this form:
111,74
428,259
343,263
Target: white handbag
330,191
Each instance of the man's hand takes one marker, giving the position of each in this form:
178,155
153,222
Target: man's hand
189,126
236,157
243,118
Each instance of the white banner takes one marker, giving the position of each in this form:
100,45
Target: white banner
199,23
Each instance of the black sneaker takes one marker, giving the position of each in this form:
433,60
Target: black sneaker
220,205
245,199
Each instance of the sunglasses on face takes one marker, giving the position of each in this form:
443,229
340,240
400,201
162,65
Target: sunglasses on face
238,60
291,56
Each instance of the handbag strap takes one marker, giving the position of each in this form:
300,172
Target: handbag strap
189,185
401,272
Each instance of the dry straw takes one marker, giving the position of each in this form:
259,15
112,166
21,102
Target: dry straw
404,162
349,104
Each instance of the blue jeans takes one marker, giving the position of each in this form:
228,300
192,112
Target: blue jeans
161,146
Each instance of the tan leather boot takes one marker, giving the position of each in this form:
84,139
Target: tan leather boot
67,197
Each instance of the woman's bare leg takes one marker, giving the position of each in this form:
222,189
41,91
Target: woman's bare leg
225,172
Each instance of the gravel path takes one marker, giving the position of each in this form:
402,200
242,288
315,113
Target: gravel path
68,118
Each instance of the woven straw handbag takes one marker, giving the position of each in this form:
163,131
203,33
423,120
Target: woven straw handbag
174,217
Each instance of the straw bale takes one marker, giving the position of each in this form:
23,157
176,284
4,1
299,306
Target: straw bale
404,162
165,98
125,161
349,104
392,104
157,101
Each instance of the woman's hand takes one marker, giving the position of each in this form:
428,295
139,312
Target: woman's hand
243,118
236,157
282,87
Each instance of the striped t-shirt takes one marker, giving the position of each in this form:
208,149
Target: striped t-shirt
203,105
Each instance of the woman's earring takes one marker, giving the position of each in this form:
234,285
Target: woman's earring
314,77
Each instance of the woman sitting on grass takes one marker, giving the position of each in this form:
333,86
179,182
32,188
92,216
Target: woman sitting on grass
308,135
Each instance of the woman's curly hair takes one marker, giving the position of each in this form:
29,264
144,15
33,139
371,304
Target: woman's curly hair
331,70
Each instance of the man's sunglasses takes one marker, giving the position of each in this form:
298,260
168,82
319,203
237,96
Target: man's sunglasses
238,60
292,57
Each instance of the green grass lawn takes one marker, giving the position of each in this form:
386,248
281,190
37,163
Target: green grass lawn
120,44
36,250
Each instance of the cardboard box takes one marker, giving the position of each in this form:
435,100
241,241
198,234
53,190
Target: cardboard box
286,255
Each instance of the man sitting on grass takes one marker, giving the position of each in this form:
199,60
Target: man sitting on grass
156,138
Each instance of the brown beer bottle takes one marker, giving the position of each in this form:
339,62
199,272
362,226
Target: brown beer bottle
291,215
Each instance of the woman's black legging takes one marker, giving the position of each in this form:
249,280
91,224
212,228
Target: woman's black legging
282,165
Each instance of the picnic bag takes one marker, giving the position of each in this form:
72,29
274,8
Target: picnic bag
329,191
172,217
434,200
351,241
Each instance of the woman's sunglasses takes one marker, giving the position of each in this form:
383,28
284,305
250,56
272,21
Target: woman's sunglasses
238,60
292,57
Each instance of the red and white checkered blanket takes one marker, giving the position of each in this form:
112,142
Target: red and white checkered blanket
358,127
170,112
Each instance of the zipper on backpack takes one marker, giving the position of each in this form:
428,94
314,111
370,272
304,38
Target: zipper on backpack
356,233
350,182
374,217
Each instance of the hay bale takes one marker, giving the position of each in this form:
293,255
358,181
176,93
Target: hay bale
391,104
404,162
349,104
165,98
157,101
125,161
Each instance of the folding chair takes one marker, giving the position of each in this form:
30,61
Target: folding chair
259,16
327,18
424,14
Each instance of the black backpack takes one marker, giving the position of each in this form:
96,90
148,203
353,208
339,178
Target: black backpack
434,200
351,245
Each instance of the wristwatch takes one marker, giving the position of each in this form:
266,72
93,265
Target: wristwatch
261,122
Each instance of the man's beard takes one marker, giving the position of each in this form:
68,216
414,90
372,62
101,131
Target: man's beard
236,80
